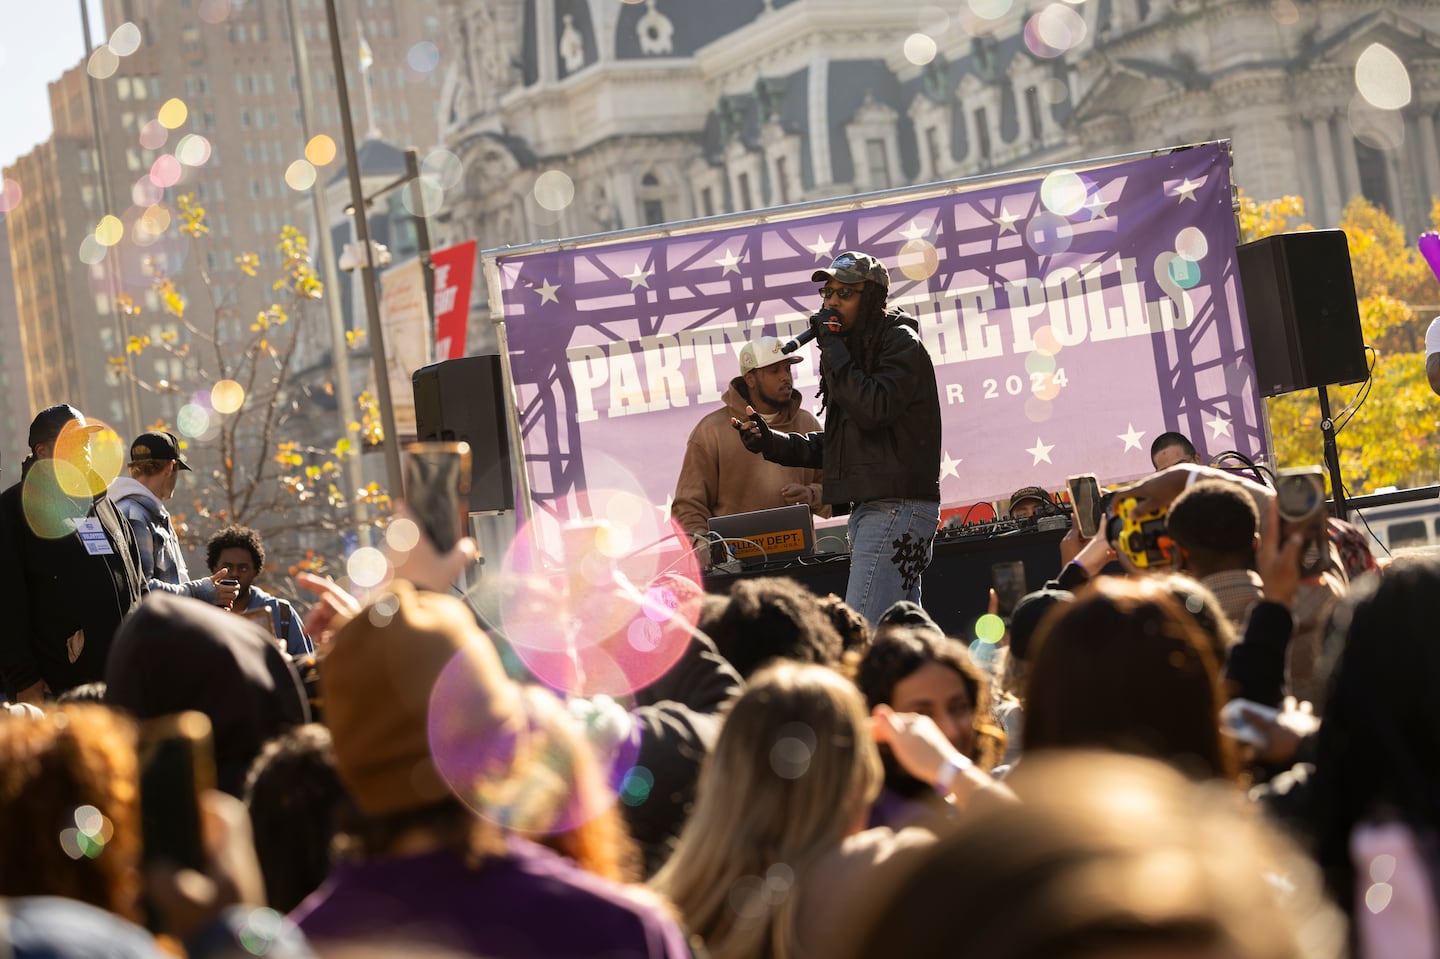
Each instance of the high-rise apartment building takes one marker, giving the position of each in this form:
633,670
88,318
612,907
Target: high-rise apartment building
230,63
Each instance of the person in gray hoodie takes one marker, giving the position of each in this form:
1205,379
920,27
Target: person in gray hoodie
155,467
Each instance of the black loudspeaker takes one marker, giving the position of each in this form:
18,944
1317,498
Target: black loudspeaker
1301,308
464,399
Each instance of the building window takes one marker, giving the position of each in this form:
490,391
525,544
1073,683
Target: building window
877,160
782,180
122,88
932,149
1374,180
982,134
653,211
245,119
742,182
707,202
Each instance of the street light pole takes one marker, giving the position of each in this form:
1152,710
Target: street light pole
112,278
367,266
339,347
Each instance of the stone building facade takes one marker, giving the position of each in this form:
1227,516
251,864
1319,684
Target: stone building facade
665,110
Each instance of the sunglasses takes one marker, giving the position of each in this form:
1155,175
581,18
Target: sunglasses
841,293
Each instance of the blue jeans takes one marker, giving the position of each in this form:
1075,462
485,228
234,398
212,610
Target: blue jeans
891,542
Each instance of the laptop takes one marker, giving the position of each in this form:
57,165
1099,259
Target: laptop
768,535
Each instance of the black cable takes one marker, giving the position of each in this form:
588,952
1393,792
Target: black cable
1360,514
1361,396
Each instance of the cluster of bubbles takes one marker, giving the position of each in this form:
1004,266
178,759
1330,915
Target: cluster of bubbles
147,222
9,195
201,418
792,751
754,897
215,11
1382,89
89,836
59,489
304,172
1056,29
423,57
105,59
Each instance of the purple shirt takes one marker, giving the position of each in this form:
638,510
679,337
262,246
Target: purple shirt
529,902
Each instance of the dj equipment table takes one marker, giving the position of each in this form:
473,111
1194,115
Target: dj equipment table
957,584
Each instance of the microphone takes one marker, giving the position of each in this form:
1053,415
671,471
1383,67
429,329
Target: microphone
829,317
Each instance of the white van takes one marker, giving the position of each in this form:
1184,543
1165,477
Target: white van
1400,525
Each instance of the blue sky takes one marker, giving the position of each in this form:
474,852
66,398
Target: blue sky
39,40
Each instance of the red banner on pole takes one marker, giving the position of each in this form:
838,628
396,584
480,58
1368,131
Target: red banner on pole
454,271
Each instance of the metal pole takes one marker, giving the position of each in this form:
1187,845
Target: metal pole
112,280
1332,459
339,347
422,235
367,266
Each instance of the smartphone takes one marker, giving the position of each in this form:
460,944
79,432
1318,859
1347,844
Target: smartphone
1009,582
1300,499
437,490
1234,721
1085,500
177,764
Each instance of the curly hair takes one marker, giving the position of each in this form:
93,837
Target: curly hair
773,617
233,536
871,322
70,807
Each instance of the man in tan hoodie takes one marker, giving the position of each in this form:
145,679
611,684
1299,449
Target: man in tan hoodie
719,476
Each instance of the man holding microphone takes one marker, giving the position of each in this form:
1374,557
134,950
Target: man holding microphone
880,449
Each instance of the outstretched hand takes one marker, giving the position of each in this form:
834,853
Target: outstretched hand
754,432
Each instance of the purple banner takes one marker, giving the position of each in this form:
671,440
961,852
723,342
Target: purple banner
1072,318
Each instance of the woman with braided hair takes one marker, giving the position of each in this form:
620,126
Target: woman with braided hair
879,452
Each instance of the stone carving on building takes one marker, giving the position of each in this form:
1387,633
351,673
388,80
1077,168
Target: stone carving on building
572,45
656,31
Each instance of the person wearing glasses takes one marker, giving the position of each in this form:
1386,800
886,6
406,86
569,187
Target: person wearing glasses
879,451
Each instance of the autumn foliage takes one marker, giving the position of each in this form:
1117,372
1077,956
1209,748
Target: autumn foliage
1386,427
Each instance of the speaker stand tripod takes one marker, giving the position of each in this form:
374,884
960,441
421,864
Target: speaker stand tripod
1338,507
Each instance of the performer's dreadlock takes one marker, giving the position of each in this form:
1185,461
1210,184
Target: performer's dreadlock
872,321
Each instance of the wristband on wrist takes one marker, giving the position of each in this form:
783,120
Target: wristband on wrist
949,770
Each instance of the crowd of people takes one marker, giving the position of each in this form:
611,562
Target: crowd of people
1235,753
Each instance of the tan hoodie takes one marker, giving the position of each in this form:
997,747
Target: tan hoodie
720,477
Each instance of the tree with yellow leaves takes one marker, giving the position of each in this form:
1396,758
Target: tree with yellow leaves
1386,427
237,367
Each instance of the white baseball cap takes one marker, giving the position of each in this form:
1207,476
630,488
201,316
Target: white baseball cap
761,352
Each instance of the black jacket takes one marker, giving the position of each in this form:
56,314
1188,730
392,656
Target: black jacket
882,429
50,588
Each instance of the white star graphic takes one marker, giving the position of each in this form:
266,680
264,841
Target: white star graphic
547,292
1219,426
1186,190
669,502
1006,221
1131,438
914,231
728,263
820,248
1098,207
1040,451
949,467
639,277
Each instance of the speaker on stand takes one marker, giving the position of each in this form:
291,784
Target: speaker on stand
1304,322
464,399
